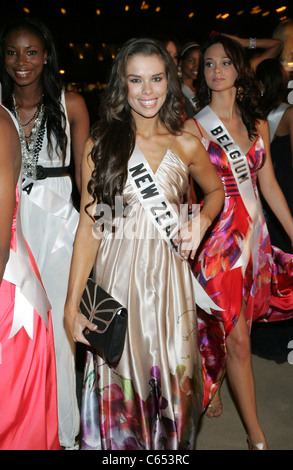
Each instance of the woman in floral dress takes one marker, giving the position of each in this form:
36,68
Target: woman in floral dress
236,264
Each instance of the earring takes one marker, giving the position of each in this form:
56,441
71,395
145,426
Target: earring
239,94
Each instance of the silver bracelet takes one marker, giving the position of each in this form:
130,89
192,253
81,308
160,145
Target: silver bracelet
252,43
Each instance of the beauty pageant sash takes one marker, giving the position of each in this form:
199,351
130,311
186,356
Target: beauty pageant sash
29,291
189,95
241,172
57,206
161,213
275,117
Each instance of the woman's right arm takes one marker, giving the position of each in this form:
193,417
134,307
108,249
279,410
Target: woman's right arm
271,48
84,254
79,128
10,161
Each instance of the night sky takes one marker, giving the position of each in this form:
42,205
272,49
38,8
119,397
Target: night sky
82,33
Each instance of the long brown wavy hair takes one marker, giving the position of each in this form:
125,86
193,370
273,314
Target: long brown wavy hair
114,134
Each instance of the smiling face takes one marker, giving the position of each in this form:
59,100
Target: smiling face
147,84
190,65
24,56
219,71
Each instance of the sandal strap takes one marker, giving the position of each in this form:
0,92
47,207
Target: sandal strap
256,445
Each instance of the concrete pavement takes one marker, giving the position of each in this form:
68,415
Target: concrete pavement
274,393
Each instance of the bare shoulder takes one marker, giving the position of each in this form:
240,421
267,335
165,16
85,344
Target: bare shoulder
190,126
75,103
188,140
7,126
73,98
187,146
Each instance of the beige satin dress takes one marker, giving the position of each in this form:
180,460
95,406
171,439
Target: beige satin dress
153,398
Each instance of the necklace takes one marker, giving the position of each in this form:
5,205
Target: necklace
34,116
30,150
36,113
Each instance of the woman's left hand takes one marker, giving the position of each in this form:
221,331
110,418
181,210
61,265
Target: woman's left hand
190,235
77,323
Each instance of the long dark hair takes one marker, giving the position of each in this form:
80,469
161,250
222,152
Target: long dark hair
248,99
50,81
114,134
272,75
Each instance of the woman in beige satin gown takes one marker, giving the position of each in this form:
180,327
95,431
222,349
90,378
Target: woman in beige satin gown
153,398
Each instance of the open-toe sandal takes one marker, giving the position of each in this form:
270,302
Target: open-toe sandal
256,445
214,409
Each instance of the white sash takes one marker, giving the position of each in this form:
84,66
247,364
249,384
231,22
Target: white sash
57,206
275,117
152,197
189,95
241,172
161,213
29,292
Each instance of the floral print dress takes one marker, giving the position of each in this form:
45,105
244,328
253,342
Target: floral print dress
266,290
153,398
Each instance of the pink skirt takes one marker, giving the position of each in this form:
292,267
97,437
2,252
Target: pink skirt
28,391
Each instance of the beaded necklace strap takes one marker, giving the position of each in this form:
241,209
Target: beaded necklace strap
31,150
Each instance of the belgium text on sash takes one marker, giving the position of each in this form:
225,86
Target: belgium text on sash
241,172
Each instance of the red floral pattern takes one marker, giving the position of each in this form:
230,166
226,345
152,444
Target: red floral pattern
268,295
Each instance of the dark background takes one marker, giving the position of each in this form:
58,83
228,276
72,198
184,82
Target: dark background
98,38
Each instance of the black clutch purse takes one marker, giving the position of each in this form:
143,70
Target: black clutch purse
111,320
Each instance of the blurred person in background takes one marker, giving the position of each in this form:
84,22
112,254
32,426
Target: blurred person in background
188,66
